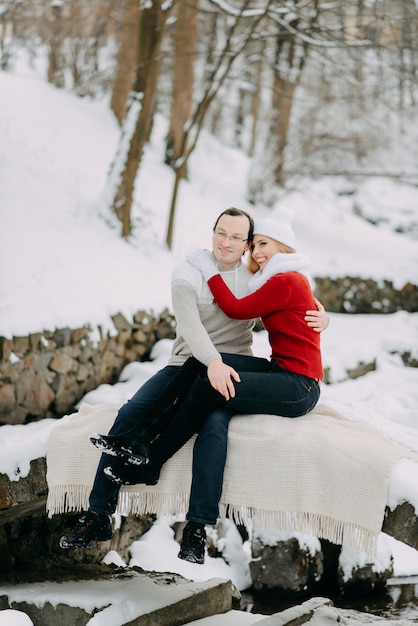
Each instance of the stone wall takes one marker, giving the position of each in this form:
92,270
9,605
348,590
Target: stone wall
46,373
353,294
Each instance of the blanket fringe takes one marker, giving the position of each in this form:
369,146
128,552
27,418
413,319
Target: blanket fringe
321,526
67,499
75,498
143,503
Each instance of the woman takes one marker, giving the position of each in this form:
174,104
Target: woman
287,384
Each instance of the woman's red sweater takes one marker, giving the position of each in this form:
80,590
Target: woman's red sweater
281,302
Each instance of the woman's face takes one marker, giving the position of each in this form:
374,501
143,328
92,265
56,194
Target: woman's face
263,248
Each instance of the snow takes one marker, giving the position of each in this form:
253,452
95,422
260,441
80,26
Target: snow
10,617
67,266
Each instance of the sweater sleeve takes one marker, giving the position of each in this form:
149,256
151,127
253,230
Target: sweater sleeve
189,324
274,295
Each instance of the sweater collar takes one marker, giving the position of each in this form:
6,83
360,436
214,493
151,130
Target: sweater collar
226,269
278,264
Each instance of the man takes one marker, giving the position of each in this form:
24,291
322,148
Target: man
205,332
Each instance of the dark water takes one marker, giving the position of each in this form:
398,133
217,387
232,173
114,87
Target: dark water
398,600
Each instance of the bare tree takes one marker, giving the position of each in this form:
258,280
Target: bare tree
294,35
137,124
14,23
183,78
256,95
75,33
299,29
289,62
56,61
126,58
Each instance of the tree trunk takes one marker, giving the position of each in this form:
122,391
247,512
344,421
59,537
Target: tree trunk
185,49
255,98
126,59
136,132
283,91
267,168
170,227
55,59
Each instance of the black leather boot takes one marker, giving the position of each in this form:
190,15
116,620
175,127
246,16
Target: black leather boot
134,443
125,444
128,474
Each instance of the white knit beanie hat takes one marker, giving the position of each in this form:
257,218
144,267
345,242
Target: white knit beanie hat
277,226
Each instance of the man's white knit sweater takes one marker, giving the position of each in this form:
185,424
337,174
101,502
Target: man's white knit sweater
203,330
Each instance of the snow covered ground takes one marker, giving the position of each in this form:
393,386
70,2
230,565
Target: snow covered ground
64,265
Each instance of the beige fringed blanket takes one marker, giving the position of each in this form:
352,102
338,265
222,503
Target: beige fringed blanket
319,474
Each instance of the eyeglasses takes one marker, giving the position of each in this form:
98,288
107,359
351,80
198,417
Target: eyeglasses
233,238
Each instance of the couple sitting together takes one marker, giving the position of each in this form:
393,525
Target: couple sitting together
211,374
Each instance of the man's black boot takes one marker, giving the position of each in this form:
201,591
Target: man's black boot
90,528
193,542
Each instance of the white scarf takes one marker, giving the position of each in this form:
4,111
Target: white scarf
278,264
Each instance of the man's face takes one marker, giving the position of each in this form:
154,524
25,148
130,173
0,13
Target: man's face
230,239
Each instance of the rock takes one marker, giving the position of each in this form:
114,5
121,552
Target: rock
285,567
134,597
402,524
120,322
296,615
14,494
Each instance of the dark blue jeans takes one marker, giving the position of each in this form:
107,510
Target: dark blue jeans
209,454
209,458
267,388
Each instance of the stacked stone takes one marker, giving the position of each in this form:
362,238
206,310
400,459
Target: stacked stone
45,374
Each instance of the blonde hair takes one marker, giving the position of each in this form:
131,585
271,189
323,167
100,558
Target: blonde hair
253,265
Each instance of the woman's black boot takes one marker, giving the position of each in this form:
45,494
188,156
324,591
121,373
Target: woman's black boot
128,474
134,443
125,444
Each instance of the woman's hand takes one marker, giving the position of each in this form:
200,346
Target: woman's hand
203,261
317,320
221,376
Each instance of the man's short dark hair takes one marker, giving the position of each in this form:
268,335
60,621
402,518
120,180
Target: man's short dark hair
236,213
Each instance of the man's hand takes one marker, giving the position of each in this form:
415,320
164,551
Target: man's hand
221,376
317,320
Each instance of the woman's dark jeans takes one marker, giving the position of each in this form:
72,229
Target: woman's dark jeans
267,388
